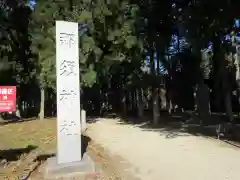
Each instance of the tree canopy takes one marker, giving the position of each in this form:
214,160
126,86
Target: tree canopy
134,55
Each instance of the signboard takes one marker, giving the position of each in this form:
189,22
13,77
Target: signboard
7,98
68,93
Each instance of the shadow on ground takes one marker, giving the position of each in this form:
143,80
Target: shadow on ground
15,154
94,119
9,117
14,120
185,124
40,159
85,141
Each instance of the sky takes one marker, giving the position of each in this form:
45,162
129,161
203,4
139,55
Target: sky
32,3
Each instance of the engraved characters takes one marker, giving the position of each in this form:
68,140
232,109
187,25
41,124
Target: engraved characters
67,94
67,39
68,128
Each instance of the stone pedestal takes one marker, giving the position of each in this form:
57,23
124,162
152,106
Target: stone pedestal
79,170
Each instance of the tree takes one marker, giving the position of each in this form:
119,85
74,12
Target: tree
107,39
206,21
43,44
15,46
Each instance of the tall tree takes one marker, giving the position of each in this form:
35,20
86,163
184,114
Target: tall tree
15,45
43,43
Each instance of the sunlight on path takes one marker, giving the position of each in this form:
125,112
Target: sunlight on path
153,157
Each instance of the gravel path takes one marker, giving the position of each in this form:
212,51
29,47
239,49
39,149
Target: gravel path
149,155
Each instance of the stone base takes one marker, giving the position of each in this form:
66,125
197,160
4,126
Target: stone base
79,170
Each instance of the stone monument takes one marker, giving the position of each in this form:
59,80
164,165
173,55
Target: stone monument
69,160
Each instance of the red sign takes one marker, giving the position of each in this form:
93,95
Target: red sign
7,98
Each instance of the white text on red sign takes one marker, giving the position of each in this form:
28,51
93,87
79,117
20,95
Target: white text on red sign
6,91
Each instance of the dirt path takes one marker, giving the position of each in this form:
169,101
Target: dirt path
149,155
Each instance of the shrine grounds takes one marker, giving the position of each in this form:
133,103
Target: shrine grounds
121,151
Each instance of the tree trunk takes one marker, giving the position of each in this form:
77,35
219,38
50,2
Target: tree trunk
18,110
217,76
130,105
133,94
154,90
202,98
156,113
162,94
140,102
18,114
228,105
222,74
42,103
123,100
227,93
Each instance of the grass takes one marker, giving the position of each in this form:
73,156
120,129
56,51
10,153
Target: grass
24,146
35,133
21,143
